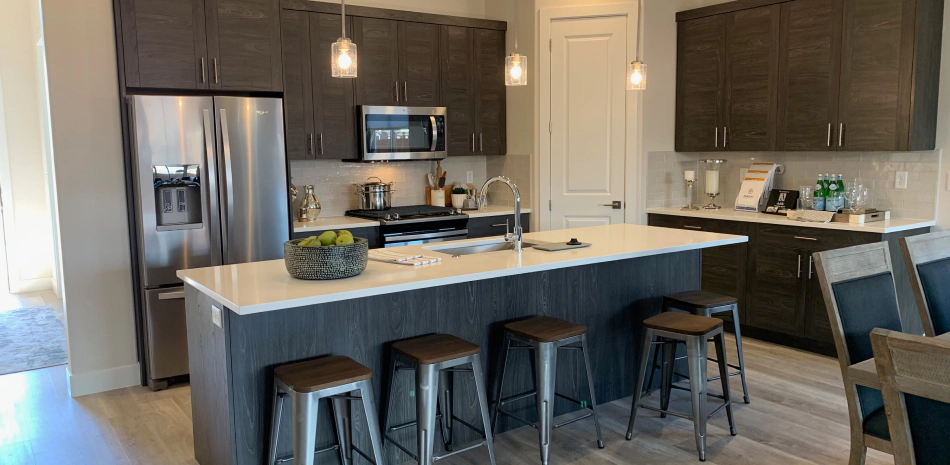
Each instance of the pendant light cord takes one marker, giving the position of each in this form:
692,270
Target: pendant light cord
343,17
639,27
514,6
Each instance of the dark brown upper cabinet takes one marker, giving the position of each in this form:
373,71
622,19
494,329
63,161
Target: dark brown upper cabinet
201,44
319,110
700,84
810,64
853,75
473,90
398,62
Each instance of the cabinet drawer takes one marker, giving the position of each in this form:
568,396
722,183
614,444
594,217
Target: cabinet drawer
814,239
488,226
697,224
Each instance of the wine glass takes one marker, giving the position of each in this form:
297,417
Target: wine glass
860,199
851,189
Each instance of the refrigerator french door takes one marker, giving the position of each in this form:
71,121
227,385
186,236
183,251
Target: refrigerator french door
211,187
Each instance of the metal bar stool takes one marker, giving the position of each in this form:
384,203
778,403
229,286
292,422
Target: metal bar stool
545,336
306,383
434,359
707,304
695,331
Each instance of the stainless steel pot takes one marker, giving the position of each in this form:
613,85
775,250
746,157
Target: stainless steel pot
375,195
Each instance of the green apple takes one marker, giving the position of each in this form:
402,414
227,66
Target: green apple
344,233
343,239
328,238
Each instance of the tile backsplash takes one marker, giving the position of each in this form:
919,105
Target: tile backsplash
666,188
333,180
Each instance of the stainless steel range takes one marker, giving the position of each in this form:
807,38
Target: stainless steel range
416,225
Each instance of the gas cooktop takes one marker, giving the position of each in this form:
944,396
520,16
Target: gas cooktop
408,214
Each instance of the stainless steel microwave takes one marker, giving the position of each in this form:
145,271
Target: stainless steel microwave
402,133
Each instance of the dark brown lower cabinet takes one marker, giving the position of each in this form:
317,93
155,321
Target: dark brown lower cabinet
774,277
489,226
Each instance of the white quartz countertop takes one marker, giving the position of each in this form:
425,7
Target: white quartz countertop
323,223
266,286
876,227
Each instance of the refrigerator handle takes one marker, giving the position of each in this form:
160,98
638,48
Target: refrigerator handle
214,212
229,184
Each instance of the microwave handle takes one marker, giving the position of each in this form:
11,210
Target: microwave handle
435,133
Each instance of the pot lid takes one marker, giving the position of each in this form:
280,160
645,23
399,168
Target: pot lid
378,182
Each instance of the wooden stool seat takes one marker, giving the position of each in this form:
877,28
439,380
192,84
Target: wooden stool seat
436,348
322,373
683,323
545,329
691,300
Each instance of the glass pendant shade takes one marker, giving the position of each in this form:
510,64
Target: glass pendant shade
516,70
636,76
344,58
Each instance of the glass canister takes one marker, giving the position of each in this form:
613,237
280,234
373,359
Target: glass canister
311,204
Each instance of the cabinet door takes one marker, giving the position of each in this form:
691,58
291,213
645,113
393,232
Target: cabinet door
776,289
458,94
244,44
419,70
752,46
873,100
298,88
490,91
334,105
699,84
164,44
809,72
817,322
378,61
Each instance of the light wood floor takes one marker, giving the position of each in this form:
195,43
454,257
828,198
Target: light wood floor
798,415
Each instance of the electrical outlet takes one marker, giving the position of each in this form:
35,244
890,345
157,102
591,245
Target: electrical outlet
469,177
901,181
216,315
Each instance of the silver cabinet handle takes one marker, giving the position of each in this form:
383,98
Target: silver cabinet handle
829,134
725,137
806,238
499,225
481,145
310,138
171,295
203,79
228,178
717,137
697,228
473,142
321,144
810,259
214,66
799,265
211,162
841,135
396,90
405,91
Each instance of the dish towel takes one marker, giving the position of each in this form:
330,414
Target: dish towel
387,256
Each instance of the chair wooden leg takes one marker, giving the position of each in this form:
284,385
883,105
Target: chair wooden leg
858,453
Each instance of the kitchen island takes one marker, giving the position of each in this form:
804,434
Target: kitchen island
245,320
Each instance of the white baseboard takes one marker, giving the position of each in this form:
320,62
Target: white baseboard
103,380
19,286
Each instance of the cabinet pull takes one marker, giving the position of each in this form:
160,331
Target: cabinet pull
203,78
321,144
829,134
481,145
310,138
810,258
799,265
697,228
405,91
499,225
214,65
473,142
396,91
725,137
841,135
806,238
717,137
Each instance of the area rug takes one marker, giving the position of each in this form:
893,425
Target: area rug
31,338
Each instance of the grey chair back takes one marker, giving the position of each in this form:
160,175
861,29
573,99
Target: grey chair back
915,382
927,258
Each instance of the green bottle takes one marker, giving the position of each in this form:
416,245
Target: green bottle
819,194
832,196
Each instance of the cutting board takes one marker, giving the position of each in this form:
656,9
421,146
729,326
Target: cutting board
558,246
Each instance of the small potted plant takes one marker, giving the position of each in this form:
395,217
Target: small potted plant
459,194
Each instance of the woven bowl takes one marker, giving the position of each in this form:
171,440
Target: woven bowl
318,263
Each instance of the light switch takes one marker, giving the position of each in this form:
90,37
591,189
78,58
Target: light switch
216,315
469,177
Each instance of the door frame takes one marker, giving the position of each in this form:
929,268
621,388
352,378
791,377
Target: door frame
634,190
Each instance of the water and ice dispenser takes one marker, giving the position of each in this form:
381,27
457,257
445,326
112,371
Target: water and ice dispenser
177,197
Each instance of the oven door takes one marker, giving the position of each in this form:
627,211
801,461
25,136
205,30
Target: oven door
402,133
423,237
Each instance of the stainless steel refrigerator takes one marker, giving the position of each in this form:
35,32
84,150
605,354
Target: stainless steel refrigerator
211,187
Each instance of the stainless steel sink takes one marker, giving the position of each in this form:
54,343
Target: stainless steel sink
496,246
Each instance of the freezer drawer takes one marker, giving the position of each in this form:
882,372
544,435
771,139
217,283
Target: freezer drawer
167,336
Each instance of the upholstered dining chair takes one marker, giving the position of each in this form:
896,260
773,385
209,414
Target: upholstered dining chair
915,381
927,258
858,287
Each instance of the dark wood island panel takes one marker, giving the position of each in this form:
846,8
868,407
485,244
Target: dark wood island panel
232,365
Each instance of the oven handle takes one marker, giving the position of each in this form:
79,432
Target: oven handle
419,237
435,133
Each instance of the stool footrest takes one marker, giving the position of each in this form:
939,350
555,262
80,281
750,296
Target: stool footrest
459,451
516,417
572,420
518,397
683,415
290,458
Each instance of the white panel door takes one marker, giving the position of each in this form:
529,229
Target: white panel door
588,120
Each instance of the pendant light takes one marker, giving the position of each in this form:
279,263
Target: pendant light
637,70
516,64
343,60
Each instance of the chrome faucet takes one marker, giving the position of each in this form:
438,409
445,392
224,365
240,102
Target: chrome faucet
514,236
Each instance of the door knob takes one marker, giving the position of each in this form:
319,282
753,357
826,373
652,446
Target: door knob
616,205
